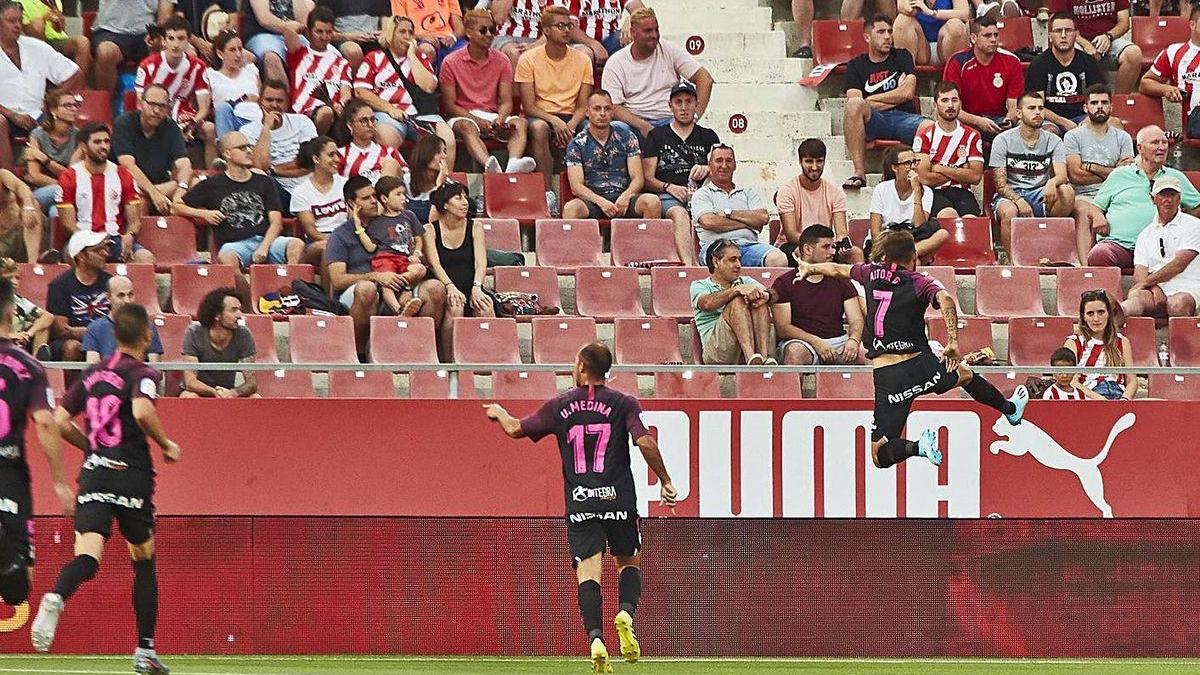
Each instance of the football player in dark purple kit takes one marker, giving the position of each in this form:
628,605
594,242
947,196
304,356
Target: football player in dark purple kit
116,481
594,426
904,364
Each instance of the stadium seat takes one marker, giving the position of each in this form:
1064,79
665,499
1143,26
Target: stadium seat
1008,382
624,381
540,281
397,339
1194,177
844,385
1139,330
688,384
190,283
769,384
35,278
859,228
284,383
501,234
607,292
558,339
434,384
1016,32
1037,239
459,177
521,384
639,241
945,275
271,278
172,240
1071,283
765,275
491,340
670,291
361,384
969,246
1002,292
1155,35
145,288
653,340
262,328
1183,341
567,244
1174,387
88,18
515,195
171,329
97,106
1031,340
836,41
974,332
1137,111
321,339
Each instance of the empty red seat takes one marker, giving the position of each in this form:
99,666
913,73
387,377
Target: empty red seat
607,292
1138,110
1037,239
652,340
844,385
434,384
670,290
567,244
623,381
262,329
1183,341
34,278
515,195
522,384
490,340
837,41
190,283
321,339
502,234
945,275
145,288
1016,32
769,384
1194,178
270,279
1008,382
1072,282
284,383
171,328
688,384
361,384
1002,292
1155,35
1031,340
640,241
974,332
97,106
171,239
859,228
400,339
541,281
557,339
1139,330
1174,387
970,243
765,275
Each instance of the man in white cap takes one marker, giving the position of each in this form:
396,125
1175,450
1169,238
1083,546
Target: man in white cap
1166,272
78,296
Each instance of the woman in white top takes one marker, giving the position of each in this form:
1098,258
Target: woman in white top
233,80
318,202
900,202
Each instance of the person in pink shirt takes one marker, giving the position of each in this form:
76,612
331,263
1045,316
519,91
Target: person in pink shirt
809,199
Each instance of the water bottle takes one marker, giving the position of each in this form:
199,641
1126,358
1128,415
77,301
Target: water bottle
691,188
1164,356
960,233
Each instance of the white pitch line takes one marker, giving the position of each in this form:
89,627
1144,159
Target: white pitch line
317,658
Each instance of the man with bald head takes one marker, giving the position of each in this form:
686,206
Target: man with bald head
244,209
1124,201
100,342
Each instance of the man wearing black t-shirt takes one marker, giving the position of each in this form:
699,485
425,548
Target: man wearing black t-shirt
881,103
675,161
1063,73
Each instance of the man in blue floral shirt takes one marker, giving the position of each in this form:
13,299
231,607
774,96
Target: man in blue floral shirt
604,166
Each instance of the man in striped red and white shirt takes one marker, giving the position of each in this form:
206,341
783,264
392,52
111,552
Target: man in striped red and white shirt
320,74
518,25
600,21
96,194
1175,75
182,75
950,156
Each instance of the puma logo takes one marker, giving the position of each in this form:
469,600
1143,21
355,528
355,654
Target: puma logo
1028,438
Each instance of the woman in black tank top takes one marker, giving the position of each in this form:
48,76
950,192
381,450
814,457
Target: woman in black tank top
457,257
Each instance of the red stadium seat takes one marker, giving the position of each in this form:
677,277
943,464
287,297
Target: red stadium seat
521,384
1155,35
1174,387
946,276
607,292
769,384
541,281
501,234
637,241
1137,111
1002,292
262,328
271,278
1194,177
459,177
1072,282
844,385
687,384
567,244
97,106
859,228
1008,382
284,383
361,384
399,339
652,340
89,19
434,384
34,278
1031,340
1037,239
1016,32
624,381
837,41
1183,341
171,329
1139,330
515,195
145,288
190,283
321,339
974,332
670,290
171,239
489,340
969,246
765,275
558,339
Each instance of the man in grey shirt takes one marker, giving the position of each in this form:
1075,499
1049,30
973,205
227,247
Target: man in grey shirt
219,337
1094,149
119,34
722,210
1030,168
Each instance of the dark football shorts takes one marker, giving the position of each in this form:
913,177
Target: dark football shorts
588,533
898,385
129,499
959,199
16,511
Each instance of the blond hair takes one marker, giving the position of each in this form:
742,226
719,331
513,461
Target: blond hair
474,16
642,14
549,13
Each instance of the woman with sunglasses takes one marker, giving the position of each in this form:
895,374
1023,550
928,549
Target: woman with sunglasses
364,155
53,146
1099,343
901,202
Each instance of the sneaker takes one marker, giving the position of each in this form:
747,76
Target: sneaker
50,256
552,204
46,622
521,165
1019,398
44,354
771,361
11,561
630,649
600,657
927,447
146,662
492,165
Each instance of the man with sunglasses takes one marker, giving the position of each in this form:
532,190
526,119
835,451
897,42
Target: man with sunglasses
1166,271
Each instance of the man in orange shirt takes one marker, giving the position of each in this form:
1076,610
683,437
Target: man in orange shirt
439,25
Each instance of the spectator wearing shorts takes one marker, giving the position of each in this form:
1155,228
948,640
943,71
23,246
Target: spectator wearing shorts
732,312
1099,343
78,296
989,78
233,82
356,26
1104,35
44,20
604,166
394,240
949,156
363,155
901,202
722,210
457,253
1094,149
1063,74
1173,75
52,147
31,324
219,336
263,23
1166,272
931,33
21,223
119,35
318,200
810,199
819,319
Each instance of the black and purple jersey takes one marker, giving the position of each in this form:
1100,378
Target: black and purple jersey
105,393
594,426
23,390
896,302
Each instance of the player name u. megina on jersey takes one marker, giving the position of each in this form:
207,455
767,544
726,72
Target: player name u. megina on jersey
589,406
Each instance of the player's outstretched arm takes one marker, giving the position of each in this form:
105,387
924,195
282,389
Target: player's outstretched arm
51,440
805,270
68,430
654,460
510,424
147,418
